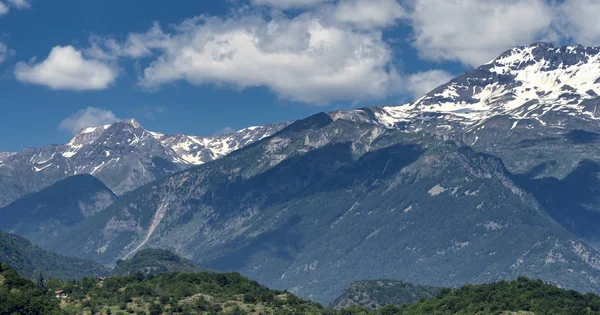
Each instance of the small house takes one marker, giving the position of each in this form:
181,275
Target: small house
60,294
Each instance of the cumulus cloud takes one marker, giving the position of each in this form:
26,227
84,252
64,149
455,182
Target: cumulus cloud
476,31
302,58
369,13
67,69
421,83
88,117
326,50
578,20
289,4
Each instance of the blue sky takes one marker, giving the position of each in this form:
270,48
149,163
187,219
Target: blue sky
200,66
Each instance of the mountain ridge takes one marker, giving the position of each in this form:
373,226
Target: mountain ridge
31,261
44,215
123,155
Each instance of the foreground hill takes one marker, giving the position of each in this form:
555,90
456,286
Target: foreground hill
375,294
21,296
30,260
230,293
522,295
182,293
154,261
43,215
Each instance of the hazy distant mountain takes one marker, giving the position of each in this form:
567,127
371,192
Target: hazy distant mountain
123,155
43,215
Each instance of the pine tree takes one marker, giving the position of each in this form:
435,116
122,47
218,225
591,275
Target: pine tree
41,282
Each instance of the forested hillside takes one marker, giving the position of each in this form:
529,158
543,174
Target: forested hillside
30,260
375,294
154,261
231,293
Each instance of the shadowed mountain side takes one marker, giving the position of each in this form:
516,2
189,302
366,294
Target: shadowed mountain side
44,215
31,261
573,201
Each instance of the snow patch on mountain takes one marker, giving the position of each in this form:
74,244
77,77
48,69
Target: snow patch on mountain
526,82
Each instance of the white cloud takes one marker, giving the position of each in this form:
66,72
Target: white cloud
476,31
421,83
289,4
578,19
67,69
137,45
5,52
88,117
3,9
301,58
369,13
20,4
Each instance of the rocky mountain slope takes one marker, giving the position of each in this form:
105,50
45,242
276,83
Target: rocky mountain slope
464,185
375,294
536,108
123,155
42,216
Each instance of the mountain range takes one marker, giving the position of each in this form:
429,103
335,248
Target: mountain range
123,155
490,176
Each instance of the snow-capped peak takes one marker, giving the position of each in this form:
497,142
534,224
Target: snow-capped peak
192,150
525,83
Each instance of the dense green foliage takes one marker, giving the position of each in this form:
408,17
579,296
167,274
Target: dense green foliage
21,296
520,295
231,293
181,293
377,293
30,260
154,261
